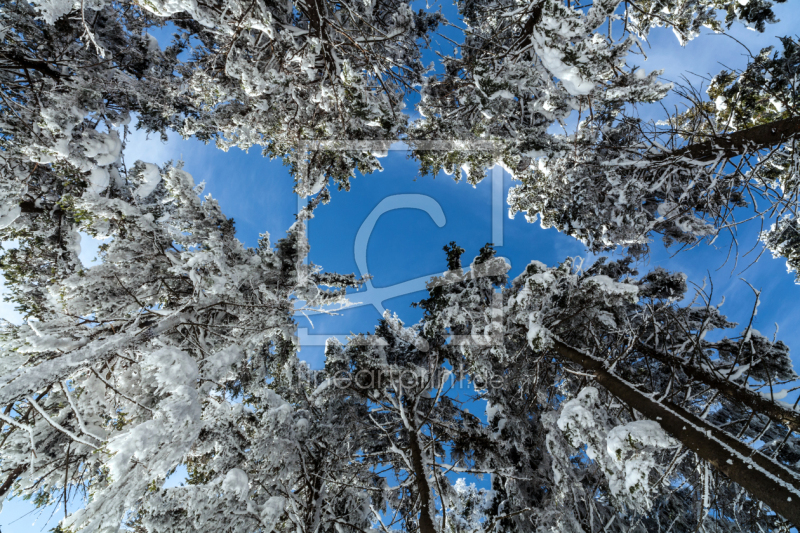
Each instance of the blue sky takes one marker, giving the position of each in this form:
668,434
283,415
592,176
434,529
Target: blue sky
406,243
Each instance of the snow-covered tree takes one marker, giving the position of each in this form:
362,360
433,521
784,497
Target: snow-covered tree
610,404
281,75
275,75
292,467
729,157
525,67
150,359
417,431
617,409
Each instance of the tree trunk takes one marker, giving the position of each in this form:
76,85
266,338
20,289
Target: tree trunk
9,482
316,18
765,479
425,519
20,62
524,40
751,399
737,143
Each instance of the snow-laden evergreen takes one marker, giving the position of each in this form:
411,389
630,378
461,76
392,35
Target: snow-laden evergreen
273,75
150,359
526,70
611,403
588,458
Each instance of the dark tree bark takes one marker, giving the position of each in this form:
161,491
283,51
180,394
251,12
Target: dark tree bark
421,478
9,482
751,399
737,143
524,39
18,61
765,479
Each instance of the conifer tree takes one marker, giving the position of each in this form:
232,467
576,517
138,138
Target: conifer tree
612,404
619,407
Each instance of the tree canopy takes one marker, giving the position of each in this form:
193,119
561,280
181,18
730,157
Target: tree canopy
616,401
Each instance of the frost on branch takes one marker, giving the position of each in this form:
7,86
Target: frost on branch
627,453
279,76
617,179
147,361
585,459
523,68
